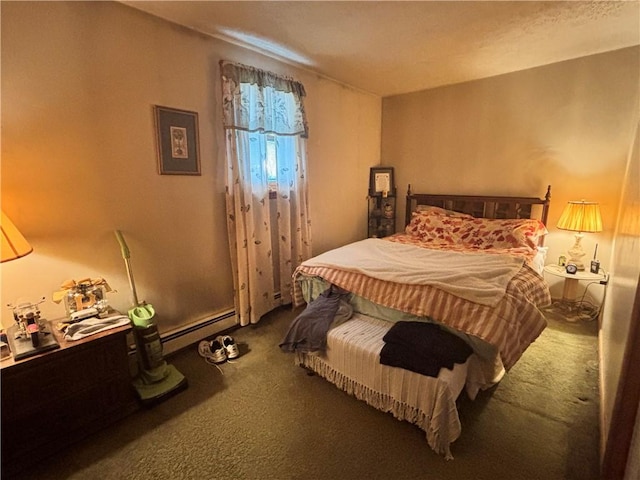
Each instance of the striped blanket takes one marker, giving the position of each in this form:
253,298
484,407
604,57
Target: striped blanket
510,326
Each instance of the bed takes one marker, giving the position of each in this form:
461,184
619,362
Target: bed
466,267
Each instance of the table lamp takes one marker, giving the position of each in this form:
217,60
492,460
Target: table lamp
580,217
14,245
27,336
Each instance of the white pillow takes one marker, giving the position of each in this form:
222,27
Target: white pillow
540,259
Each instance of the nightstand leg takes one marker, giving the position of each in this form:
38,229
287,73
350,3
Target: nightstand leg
569,293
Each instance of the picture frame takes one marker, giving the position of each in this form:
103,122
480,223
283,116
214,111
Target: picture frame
177,141
381,181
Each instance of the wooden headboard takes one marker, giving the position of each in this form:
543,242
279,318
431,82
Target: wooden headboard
482,206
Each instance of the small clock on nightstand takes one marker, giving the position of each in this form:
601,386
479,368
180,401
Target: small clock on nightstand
571,269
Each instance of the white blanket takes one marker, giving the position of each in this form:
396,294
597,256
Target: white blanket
352,363
480,278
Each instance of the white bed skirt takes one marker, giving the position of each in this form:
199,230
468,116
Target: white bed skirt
352,363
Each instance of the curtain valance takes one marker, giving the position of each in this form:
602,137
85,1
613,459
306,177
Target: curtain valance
267,102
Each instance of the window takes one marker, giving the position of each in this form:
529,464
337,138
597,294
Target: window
271,166
266,134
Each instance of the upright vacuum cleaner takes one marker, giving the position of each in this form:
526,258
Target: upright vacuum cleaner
156,380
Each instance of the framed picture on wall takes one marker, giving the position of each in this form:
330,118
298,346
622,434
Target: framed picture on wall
177,141
381,181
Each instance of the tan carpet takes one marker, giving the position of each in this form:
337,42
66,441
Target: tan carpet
264,418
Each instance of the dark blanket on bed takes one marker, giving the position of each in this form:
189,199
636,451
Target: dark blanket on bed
422,348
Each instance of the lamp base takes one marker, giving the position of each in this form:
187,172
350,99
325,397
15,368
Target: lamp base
576,253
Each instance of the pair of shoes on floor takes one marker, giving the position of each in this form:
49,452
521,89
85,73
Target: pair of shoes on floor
219,350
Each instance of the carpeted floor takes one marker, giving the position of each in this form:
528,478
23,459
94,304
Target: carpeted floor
264,418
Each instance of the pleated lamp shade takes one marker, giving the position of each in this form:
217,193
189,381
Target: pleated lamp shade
581,217
14,245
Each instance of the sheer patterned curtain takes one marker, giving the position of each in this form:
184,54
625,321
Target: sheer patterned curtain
260,107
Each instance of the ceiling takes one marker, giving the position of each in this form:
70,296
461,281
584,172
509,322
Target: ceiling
393,47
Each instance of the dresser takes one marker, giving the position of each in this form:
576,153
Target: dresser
59,397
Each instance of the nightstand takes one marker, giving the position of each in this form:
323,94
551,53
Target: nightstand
569,306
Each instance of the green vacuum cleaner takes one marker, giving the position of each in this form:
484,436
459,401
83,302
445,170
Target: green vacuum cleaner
156,380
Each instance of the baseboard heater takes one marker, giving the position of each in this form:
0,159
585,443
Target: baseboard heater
186,335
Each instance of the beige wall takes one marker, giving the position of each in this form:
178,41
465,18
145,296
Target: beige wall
568,125
79,80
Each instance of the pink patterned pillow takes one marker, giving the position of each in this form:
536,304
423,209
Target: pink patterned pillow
479,233
439,228
511,233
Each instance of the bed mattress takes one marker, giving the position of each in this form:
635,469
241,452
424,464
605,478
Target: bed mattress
352,363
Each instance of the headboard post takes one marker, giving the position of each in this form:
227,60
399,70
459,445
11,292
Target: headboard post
545,206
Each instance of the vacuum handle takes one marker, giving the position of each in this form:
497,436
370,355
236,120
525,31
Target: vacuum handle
123,245
126,255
